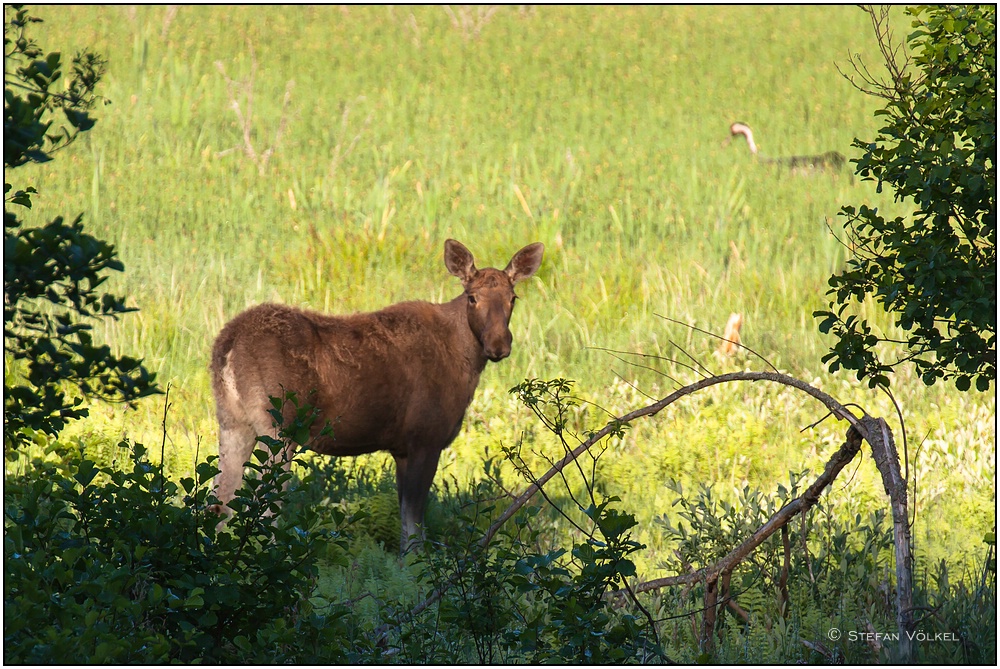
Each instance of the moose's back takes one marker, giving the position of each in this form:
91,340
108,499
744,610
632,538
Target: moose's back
382,379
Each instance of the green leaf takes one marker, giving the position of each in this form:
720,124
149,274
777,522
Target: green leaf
86,472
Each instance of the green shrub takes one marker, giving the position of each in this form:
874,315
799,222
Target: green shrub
934,272
53,273
840,575
125,565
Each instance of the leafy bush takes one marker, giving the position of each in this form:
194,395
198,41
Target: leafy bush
935,271
577,622
517,603
838,577
125,565
52,273
509,603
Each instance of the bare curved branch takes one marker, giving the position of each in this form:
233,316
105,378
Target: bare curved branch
859,429
835,407
838,461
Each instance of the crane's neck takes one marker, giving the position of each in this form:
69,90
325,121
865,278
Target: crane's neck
743,129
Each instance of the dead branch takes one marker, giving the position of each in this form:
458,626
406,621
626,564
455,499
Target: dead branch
838,461
651,410
879,437
738,610
805,548
725,596
866,428
783,579
708,621
724,568
887,460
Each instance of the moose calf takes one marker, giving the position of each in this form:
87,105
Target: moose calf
396,380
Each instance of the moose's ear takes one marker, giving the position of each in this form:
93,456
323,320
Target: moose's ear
459,261
525,262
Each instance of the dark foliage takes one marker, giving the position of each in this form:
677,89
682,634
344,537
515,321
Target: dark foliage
52,273
124,565
934,271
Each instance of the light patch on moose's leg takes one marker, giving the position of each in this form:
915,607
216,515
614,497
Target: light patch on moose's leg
236,440
229,382
232,455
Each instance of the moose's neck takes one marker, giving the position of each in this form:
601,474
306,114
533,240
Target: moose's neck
469,347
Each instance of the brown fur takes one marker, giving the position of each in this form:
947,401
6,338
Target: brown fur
396,380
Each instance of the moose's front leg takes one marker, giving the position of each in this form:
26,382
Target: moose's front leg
414,475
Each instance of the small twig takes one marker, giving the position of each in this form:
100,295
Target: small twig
163,447
815,423
527,474
282,126
615,355
338,157
693,359
850,480
634,387
783,579
805,548
828,414
245,88
902,429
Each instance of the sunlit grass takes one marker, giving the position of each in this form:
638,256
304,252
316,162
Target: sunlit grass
598,131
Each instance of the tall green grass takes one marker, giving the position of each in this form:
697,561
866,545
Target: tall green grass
598,131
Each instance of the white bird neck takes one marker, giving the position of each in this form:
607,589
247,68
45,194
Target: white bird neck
742,129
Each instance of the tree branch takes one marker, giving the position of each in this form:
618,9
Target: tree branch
837,462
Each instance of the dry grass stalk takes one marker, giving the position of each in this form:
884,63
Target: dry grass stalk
471,21
245,89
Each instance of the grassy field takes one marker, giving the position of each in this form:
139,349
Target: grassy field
597,131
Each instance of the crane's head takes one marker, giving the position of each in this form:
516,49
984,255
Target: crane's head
740,128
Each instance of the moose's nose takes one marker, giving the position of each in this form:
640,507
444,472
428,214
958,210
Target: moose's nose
498,347
497,356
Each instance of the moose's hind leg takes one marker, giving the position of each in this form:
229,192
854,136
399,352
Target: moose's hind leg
237,442
235,446
241,419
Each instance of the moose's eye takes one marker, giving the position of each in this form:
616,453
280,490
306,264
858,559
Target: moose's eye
472,299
